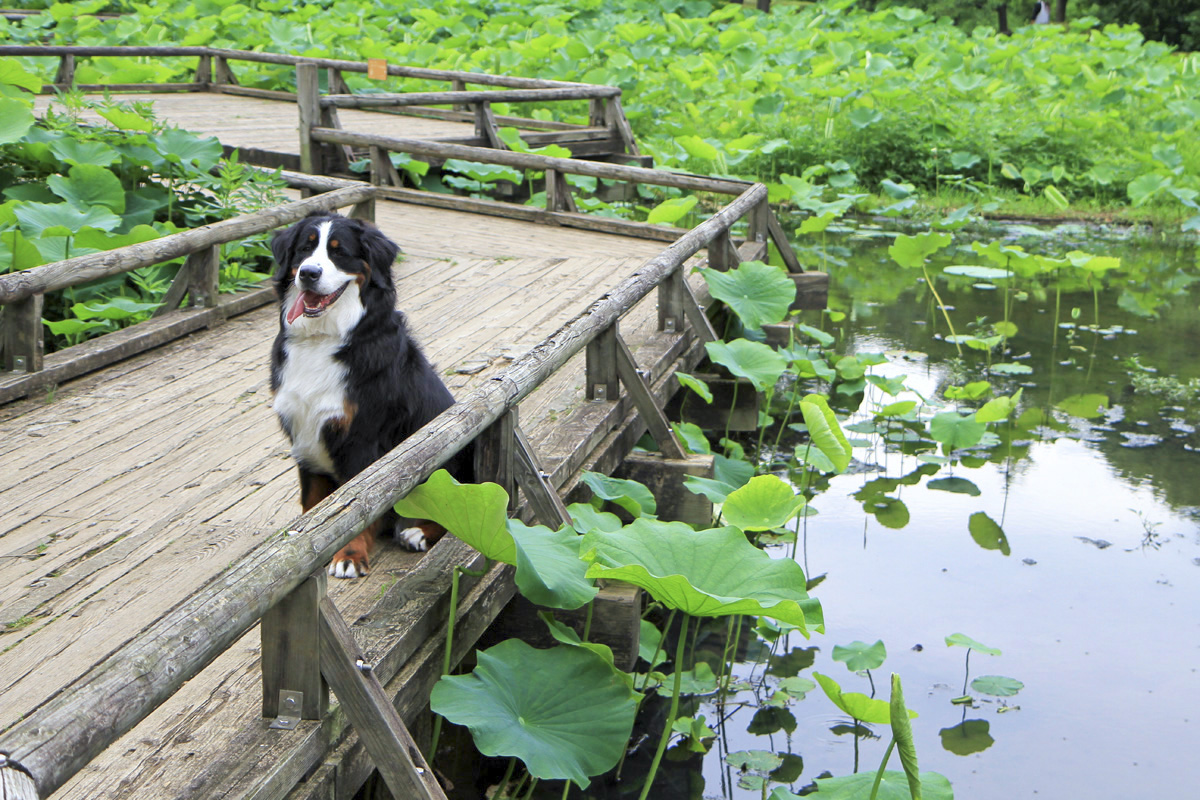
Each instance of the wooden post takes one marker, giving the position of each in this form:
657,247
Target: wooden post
459,85
291,642
364,210
337,83
371,711
722,255
15,783
65,77
757,218
486,127
204,274
597,112
619,124
647,406
494,455
558,192
204,71
603,382
664,477
308,99
24,340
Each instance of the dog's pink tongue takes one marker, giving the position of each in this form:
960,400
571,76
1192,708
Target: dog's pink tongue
297,308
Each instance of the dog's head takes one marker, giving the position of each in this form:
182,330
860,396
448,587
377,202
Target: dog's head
331,270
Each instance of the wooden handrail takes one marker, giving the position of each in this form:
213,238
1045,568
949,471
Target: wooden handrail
483,96
55,741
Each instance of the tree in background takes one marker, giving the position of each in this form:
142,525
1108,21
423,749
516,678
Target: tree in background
1175,22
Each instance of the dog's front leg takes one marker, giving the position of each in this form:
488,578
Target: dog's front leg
353,560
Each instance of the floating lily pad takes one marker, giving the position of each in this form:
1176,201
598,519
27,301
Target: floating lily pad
859,655
893,786
997,685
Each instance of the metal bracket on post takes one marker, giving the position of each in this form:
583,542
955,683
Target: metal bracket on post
291,668
290,703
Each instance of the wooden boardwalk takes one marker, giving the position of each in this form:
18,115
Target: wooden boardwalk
128,489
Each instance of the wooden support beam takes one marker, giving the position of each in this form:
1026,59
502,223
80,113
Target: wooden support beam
371,712
751,251
776,232
548,507
812,290
603,381
308,100
291,639
647,406
494,455
664,477
459,85
24,339
204,274
15,783
486,127
224,75
671,298
618,122
177,289
695,312
757,218
337,83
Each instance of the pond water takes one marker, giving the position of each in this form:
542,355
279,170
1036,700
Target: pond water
1067,542
1092,590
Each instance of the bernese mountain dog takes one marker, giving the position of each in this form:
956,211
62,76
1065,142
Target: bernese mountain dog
349,381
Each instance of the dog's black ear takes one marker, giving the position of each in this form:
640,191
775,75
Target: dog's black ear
283,244
380,253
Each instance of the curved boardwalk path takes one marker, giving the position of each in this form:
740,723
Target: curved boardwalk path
124,491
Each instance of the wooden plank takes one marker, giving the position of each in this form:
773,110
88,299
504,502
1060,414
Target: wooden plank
577,92
308,97
371,712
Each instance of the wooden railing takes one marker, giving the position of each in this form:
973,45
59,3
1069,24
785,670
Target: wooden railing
52,743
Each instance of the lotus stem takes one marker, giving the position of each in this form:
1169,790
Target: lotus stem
529,792
512,764
667,728
967,672
942,306
658,649
587,622
458,570
566,790
879,775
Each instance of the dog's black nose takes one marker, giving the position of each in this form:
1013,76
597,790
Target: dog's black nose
309,275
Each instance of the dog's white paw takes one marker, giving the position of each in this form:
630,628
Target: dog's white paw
346,568
412,539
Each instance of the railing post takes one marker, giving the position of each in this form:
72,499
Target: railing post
722,255
65,77
291,664
24,340
486,127
558,192
758,219
308,100
603,382
204,274
204,75
494,449
364,210
670,303
459,85
224,75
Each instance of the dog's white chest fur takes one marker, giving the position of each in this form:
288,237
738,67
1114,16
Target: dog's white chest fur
312,391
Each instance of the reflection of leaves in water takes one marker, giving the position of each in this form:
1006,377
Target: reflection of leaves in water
970,736
771,719
790,770
861,730
987,533
955,485
892,786
890,512
786,666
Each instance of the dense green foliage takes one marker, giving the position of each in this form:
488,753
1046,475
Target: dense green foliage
895,94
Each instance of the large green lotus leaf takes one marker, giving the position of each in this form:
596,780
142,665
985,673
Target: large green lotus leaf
13,74
997,685
179,146
102,240
693,437
114,308
998,408
17,252
759,294
477,513
1087,406
860,655
754,361
127,120
585,517
60,246
15,119
716,491
629,495
954,430
564,712
962,640
856,704
89,186
671,211
766,502
707,573
912,251
35,218
84,151
567,635
549,570
893,786
696,385
825,431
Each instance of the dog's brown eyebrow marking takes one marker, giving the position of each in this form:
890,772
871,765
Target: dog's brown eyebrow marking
312,237
333,242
